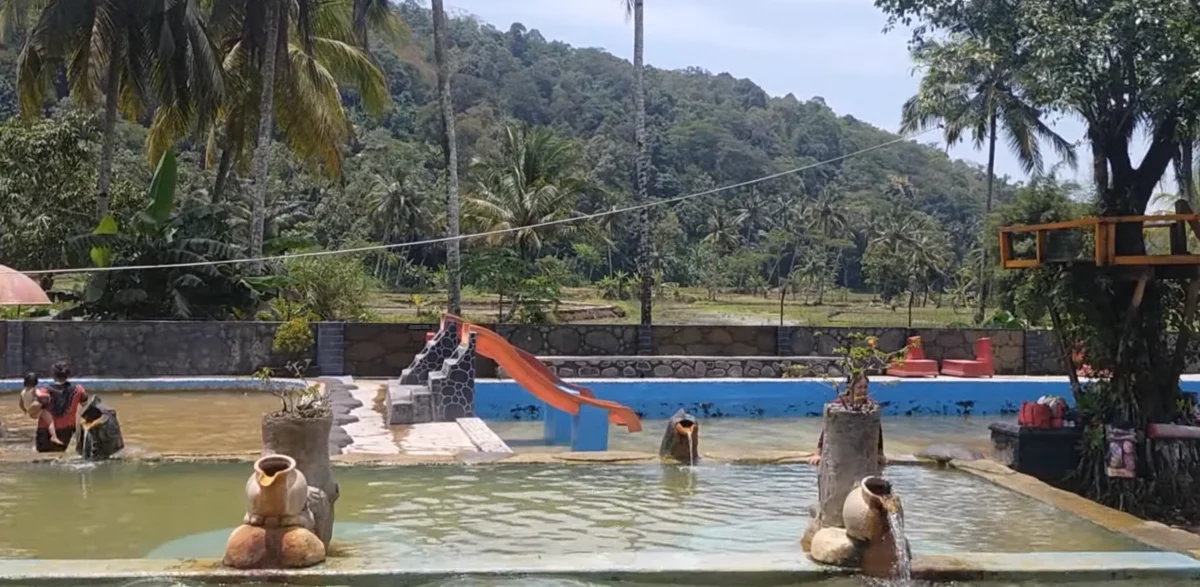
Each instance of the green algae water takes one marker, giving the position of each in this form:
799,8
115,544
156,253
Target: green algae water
136,510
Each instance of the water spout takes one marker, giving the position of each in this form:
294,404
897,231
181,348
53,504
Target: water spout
902,570
681,439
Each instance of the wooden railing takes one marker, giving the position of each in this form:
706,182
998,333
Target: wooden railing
1104,240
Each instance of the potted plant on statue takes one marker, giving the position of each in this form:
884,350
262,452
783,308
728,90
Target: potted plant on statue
300,429
860,358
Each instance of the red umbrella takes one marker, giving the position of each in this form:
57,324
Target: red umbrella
17,289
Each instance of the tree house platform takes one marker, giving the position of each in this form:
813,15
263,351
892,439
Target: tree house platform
1068,242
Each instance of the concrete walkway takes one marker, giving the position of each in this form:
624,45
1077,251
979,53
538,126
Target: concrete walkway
369,435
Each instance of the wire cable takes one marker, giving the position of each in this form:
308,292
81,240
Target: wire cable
446,239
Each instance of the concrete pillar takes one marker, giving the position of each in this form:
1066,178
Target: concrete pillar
590,430
783,341
556,426
331,347
849,453
645,340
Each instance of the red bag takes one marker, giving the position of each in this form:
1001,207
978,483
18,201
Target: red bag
1034,415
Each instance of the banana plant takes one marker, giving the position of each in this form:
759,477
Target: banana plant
158,239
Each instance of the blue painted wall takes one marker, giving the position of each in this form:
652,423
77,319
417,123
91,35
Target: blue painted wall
505,400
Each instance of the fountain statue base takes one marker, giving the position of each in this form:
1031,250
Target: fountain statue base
858,520
256,547
277,531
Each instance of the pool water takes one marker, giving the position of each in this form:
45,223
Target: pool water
194,422
746,436
130,510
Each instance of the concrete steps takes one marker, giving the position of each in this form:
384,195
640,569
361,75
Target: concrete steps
407,404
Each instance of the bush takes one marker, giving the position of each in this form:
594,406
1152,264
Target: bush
331,287
293,337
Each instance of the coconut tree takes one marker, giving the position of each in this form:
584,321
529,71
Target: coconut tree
635,9
131,52
969,89
399,204
450,153
296,86
534,179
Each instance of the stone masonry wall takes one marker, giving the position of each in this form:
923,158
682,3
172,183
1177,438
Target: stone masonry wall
149,349
146,349
1008,346
687,367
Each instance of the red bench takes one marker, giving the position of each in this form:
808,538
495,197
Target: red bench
914,363
981,366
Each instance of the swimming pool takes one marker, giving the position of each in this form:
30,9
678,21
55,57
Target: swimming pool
759,398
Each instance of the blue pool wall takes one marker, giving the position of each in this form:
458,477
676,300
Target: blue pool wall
777,398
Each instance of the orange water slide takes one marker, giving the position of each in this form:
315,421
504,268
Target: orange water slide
538,380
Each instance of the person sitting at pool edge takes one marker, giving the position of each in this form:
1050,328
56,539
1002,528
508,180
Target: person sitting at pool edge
33,408
858,392
62,399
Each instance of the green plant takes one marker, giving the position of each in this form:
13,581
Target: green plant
195,233
424,306
331,287
857,360
294,338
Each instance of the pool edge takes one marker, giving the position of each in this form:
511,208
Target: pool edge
1153,534
699,568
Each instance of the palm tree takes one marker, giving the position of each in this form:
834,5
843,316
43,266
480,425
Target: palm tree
968,88
128,51
635,9
399,206
311,119
271,70
533,180
722,229
450,154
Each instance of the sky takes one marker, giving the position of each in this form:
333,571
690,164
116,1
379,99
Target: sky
835,49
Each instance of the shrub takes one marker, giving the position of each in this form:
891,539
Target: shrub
331,287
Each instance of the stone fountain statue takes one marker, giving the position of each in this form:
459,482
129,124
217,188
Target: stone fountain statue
858,520
681,439
277,531
100,436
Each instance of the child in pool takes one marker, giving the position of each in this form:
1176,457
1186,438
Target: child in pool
34,409
857,394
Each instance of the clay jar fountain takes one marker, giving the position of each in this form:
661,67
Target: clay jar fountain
681,439
305,438
858,521
277,532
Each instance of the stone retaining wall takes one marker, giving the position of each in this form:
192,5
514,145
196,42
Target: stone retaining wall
148,349
143,349
684,367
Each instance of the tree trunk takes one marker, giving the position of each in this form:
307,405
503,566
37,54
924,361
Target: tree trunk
223,167
266,121
645,246
111,91
450,154
987,210
1185,169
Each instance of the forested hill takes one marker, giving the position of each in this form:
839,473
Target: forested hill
706,130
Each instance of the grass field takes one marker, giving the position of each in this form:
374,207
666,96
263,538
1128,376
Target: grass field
840,308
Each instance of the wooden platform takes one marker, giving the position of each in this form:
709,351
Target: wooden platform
1179,263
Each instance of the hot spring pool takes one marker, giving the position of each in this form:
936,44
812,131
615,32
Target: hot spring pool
131,510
